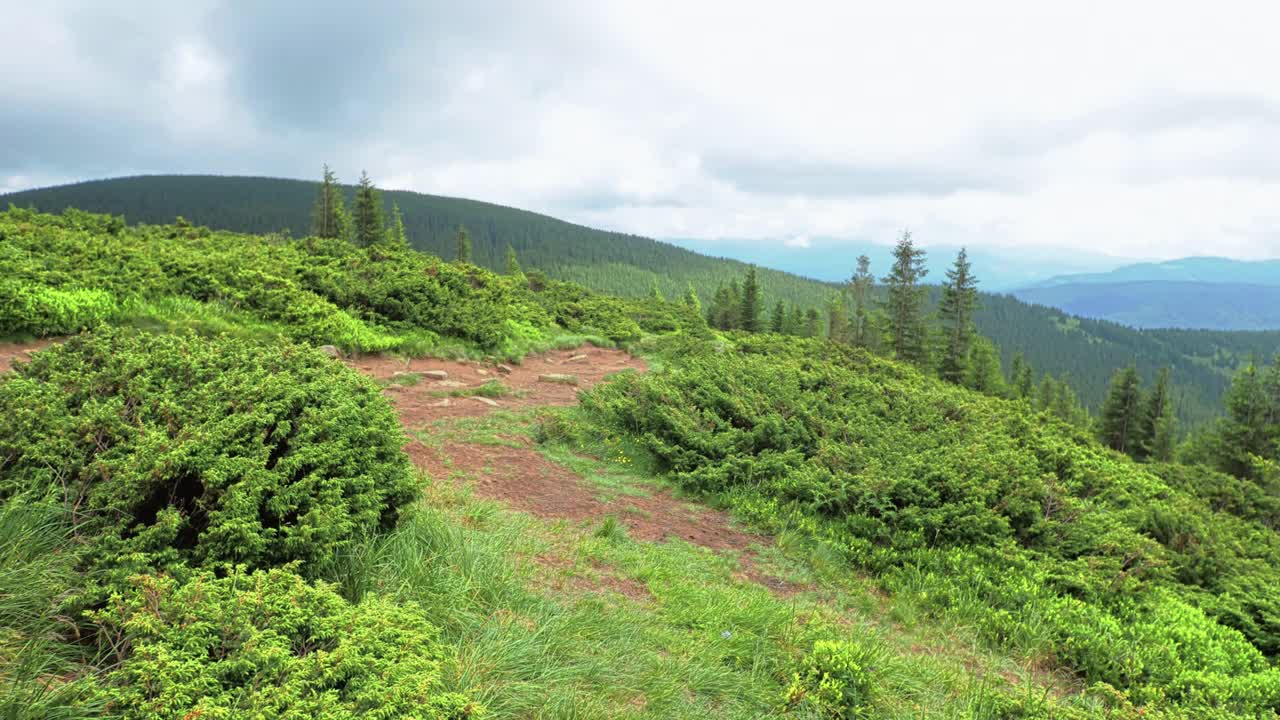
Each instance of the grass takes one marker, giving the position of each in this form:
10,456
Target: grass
561,620
489,389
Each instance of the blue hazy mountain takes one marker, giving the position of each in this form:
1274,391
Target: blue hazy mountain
833,260
1197,292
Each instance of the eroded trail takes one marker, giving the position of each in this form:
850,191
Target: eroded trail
511,470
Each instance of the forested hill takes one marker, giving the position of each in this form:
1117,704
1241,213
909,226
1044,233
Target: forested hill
611,262
1085,351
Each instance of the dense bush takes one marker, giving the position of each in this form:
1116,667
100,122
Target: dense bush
173,451
835,680
1017,523
63,273
270,645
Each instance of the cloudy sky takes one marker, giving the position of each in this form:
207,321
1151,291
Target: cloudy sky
1137,129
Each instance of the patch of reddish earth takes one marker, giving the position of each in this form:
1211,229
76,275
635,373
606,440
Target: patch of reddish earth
9,352
523,479
422,403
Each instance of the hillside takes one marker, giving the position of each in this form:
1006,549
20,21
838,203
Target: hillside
203,515
1166,304
1191,269
1088,351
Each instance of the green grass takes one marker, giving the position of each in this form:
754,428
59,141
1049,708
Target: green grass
489,389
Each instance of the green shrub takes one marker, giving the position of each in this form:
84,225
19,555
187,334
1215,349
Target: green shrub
169,451
834,680
40,310
270,645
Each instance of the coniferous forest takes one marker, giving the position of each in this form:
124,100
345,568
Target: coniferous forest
215,506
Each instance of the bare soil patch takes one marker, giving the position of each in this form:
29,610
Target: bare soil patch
9,352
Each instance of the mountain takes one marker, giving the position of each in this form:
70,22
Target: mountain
1087,351
1163,304
833,259
1197,292
1217,270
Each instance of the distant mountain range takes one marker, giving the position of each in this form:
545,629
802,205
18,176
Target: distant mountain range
1198,292
833,259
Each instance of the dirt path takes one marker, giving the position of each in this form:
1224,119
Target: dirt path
20,351
519,476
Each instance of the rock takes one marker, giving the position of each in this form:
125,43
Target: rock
505,369
485,400
435,374
443,403
559,378
330,350
450,384
577,358
482,371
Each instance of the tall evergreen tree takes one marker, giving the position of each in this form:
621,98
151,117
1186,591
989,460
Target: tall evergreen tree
795,321
691,299
655,293
1156,407
837,318
984,373
959,300
368,220
1244,431
861,286
463,252
812,324
778,321
750,314
395,234
512,262
904,300
1021,377
329,214
1119,428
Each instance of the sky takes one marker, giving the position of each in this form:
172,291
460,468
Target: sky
1133,129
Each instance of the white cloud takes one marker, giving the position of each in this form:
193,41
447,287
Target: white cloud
1146,129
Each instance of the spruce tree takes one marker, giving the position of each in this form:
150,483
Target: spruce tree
463,251
1021,377
837,318
691,299
778,321
750,308
396,235
795,321
513,263
329,215
904,300
1119,428
655,293
812,323
861,286
1244,431
368,219
1156,407
959,300
984,373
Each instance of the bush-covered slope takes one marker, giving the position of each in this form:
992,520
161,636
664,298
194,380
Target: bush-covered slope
1008,520
1088,351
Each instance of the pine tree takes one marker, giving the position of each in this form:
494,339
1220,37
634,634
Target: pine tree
368,219
904,300
861,286
1119,426
1047,393
655,293
329,215
691,299
837,318
1021,377
1244,432
513,263
795,321
463,252
959,300
778,321
396,235
750,313
1156,407
984,373
812,323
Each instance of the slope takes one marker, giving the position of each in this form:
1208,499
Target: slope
1087,351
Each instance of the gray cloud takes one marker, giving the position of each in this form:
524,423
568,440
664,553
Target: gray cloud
690,120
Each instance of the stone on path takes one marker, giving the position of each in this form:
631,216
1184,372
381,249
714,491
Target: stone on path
487,401
505,369
435,374
330,350
559,378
